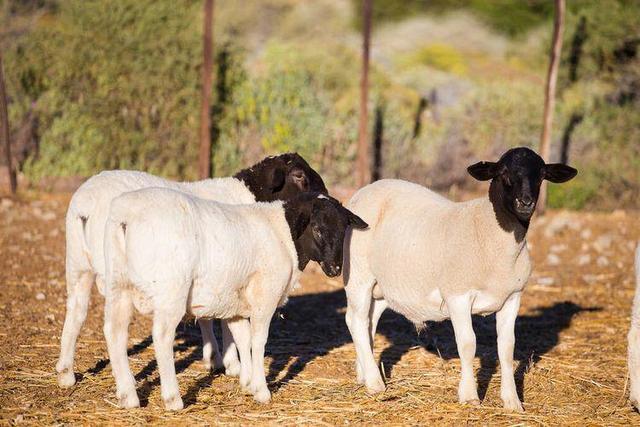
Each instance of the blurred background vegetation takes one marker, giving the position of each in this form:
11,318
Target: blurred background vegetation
96,84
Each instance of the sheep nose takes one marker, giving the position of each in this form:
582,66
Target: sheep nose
526,201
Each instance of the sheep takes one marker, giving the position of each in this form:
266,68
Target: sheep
171,254
429,258
277,177
634,340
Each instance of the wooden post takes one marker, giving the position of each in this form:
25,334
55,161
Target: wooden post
362,167
4,133
550,94
204,158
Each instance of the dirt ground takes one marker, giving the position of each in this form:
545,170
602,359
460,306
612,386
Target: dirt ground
570,342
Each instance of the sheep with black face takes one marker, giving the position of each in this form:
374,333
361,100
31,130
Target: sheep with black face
211,260
274,178
429,258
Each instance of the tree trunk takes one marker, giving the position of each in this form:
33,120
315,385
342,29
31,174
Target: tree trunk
378,130
363,151
550,94
4,133
204,161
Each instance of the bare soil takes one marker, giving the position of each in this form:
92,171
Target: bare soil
570,342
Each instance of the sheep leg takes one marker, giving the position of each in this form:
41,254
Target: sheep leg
359,301
505,325
209,345
460,312
634,364
259,333
378,306
240,330
78,295
230,360
634,340
117,316
165,323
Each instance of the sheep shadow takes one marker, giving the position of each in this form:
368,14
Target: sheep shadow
188,339
310,326
313,325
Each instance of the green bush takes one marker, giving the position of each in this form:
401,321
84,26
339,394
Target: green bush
115,85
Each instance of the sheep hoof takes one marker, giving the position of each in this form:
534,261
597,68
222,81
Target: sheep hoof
376,386
635,402
173,403
472,402
218,365
513,404
232,369
128,401
66,378
262,396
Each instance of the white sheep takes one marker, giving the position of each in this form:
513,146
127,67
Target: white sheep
429,258
277,177
170,254
634,339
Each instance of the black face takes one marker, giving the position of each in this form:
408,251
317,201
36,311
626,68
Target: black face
520,172
281,178
318,225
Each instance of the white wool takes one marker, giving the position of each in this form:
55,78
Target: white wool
634,339
429,258
85,250
173,254
85,224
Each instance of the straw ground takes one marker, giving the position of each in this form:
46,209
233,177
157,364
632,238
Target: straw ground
570,343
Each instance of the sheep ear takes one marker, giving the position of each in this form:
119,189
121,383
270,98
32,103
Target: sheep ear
277,178
355,221
559,173
484,171
298,218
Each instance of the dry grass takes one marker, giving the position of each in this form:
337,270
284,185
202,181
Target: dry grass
570,350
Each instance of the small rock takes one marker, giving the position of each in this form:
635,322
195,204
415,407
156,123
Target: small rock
558,248
40,296
48,216
19,418
553,259
591,278
584,259
584,247
27,236
586,233
50,317
6,203
603,242
546,281
602,261
54,233
619,213
556,225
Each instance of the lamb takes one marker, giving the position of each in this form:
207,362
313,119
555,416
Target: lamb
429,258
274,178
171,254
634,340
